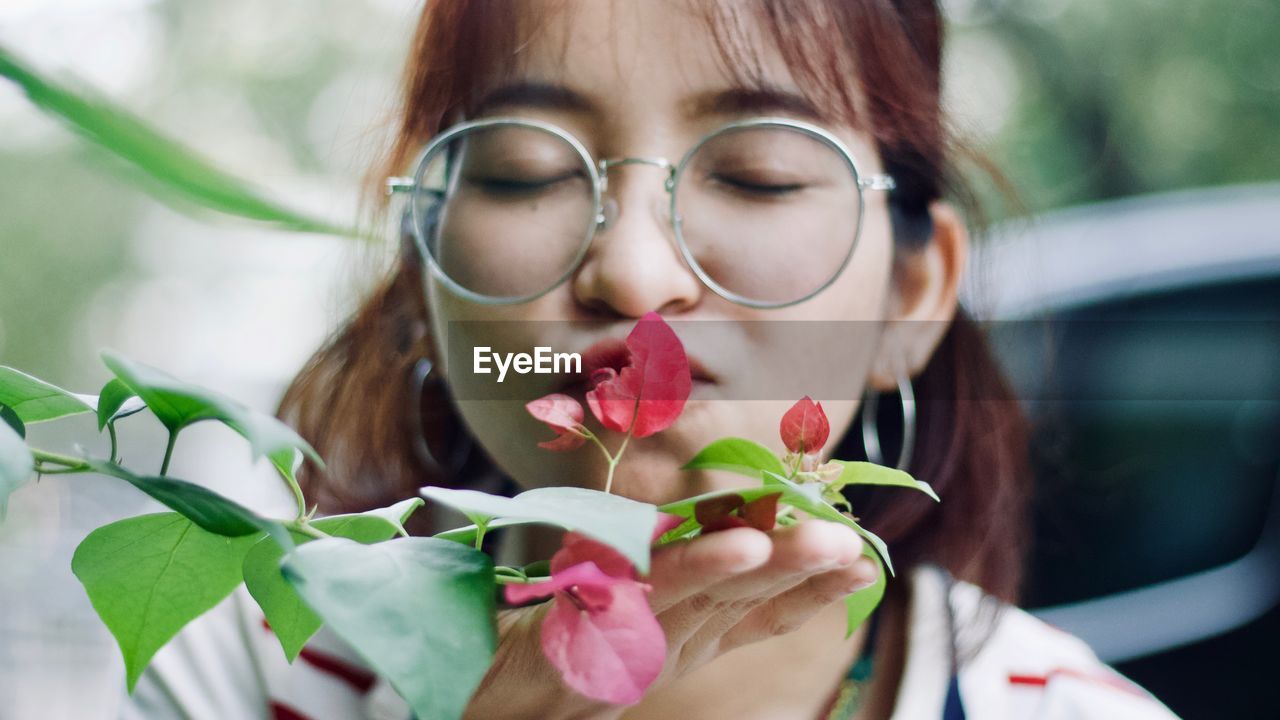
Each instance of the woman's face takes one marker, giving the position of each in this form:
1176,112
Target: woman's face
642,68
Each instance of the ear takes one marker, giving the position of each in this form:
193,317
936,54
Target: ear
923,301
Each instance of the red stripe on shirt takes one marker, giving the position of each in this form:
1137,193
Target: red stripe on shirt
354,675
280,711
1042,680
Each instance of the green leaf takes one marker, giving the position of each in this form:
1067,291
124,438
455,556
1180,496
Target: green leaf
808,498
736,455
148,576
35,400
10,418
419,610
111,401
16,465
173,171
204,507
865,473
177,404
860,605
620,522
289,617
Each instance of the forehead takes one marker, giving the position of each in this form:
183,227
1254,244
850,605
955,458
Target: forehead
692,61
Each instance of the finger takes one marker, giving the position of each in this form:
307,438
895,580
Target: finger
790,610
683,569
799,551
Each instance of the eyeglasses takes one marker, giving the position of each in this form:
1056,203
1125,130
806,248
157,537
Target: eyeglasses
766,211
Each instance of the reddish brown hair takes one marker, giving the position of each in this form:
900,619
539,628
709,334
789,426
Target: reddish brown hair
350,400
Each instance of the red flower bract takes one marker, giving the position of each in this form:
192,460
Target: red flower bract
562,414
804,427
600,632
649,393
715,514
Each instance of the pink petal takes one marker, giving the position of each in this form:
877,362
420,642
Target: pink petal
664,379
567,441
666,523
583,573
564,415
804,427
577,548
612,655
650,393
558,410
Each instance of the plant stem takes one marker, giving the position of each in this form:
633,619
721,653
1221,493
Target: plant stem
111,429
66,460
480,537
168,453
512,580
297,496
613,461
303,527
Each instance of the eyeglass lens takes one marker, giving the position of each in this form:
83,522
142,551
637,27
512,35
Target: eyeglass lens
768,213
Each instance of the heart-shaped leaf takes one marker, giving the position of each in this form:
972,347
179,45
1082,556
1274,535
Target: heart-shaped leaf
289,617
419,610
177,404
16,465
865,473
148,576
620,522
736,455
204,507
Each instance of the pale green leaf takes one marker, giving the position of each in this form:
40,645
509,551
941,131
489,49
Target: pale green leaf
419,610
16,465
865,473
622,523
148,576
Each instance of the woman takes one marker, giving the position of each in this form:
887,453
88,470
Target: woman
831,211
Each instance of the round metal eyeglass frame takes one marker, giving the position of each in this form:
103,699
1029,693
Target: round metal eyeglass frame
599,185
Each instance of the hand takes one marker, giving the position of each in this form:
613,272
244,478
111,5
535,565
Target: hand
711,594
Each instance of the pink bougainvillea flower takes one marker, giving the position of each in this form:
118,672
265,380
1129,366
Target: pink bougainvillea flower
804,427
715,514
562,414
649,393
600,632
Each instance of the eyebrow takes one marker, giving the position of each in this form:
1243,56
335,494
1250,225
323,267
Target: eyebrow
760,100
734,101
541,95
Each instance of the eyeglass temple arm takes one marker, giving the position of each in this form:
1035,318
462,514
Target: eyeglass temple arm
400,185
877,182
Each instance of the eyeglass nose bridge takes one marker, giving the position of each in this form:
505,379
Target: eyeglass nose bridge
609,209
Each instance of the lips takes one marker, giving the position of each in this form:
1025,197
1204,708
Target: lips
613,353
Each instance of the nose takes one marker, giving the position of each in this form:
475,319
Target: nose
634,265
